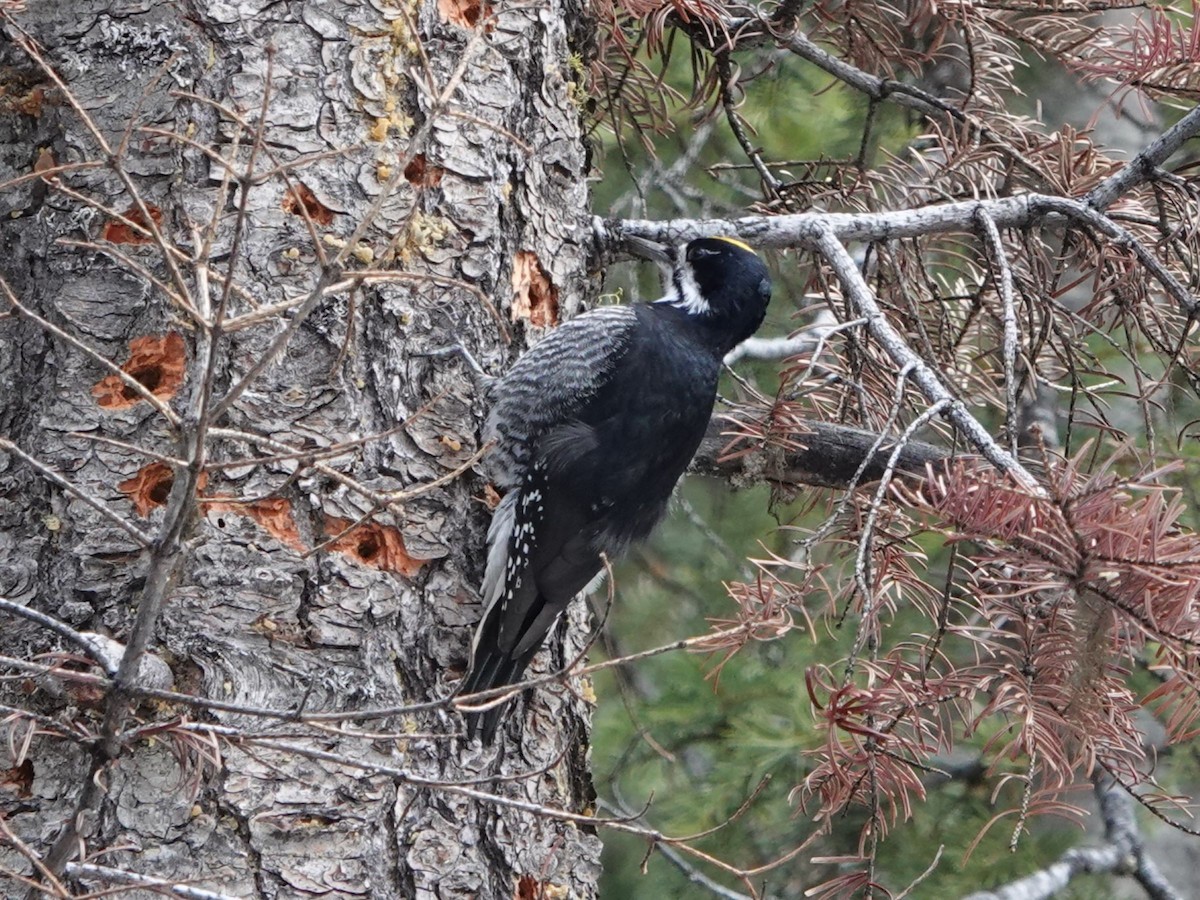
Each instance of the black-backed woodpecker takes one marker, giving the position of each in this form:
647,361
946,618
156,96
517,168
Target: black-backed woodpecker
594,426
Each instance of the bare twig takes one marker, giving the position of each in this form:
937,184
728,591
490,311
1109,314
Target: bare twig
128,380
802,229
138,268
140,537
132,448
1123,852
1141,168
405,776
113,161
771,184
867,623
922,375
157,885
772,348
1120,236
51,881
902,94
1004,284
63,630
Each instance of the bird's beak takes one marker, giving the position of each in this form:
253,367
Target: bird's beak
663,254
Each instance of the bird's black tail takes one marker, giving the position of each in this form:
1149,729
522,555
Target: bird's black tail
492,667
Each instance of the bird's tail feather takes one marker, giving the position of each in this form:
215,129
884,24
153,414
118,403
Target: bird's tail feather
492,669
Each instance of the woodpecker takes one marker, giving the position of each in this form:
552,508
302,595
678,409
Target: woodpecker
593,426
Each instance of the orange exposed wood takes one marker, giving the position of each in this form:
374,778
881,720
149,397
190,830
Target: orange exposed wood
375,545
300,200
273,514
534,296
157,363
116,231
463,13
151,487
420,173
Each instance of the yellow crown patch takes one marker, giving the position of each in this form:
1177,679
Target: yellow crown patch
736,243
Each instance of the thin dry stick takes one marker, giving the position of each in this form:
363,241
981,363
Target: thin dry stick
916,882
132,383
382,499
50,879
699,642
49,174
208,412
907,95
405,776
337,449
862,559
176,253
143,540
1142,167
725,72
1004,283
111,159
924,377
132,448
63,630
136,880
1102,223
134,266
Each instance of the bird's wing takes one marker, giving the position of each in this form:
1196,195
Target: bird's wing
551,382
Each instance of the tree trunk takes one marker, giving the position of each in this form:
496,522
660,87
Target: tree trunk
434,147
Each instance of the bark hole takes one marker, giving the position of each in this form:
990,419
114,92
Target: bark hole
156,363
160,491
368,548
150,487
150,377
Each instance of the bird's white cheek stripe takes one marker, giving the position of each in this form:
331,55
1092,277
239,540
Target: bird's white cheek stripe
692,300
685,293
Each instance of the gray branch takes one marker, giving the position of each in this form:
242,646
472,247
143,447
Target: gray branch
107,874
772,347
1122,853
64,631
922,375
805,229
808,453
1141,167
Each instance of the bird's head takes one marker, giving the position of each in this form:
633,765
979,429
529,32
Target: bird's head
723,283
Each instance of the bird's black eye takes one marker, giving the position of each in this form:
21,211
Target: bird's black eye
700,253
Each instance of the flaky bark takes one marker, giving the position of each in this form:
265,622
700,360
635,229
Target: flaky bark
441,140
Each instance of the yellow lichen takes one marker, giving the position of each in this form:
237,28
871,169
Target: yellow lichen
424,233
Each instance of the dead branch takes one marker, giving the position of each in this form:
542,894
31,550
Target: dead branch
1122,853
804,452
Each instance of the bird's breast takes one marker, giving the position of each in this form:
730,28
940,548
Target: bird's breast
643,431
